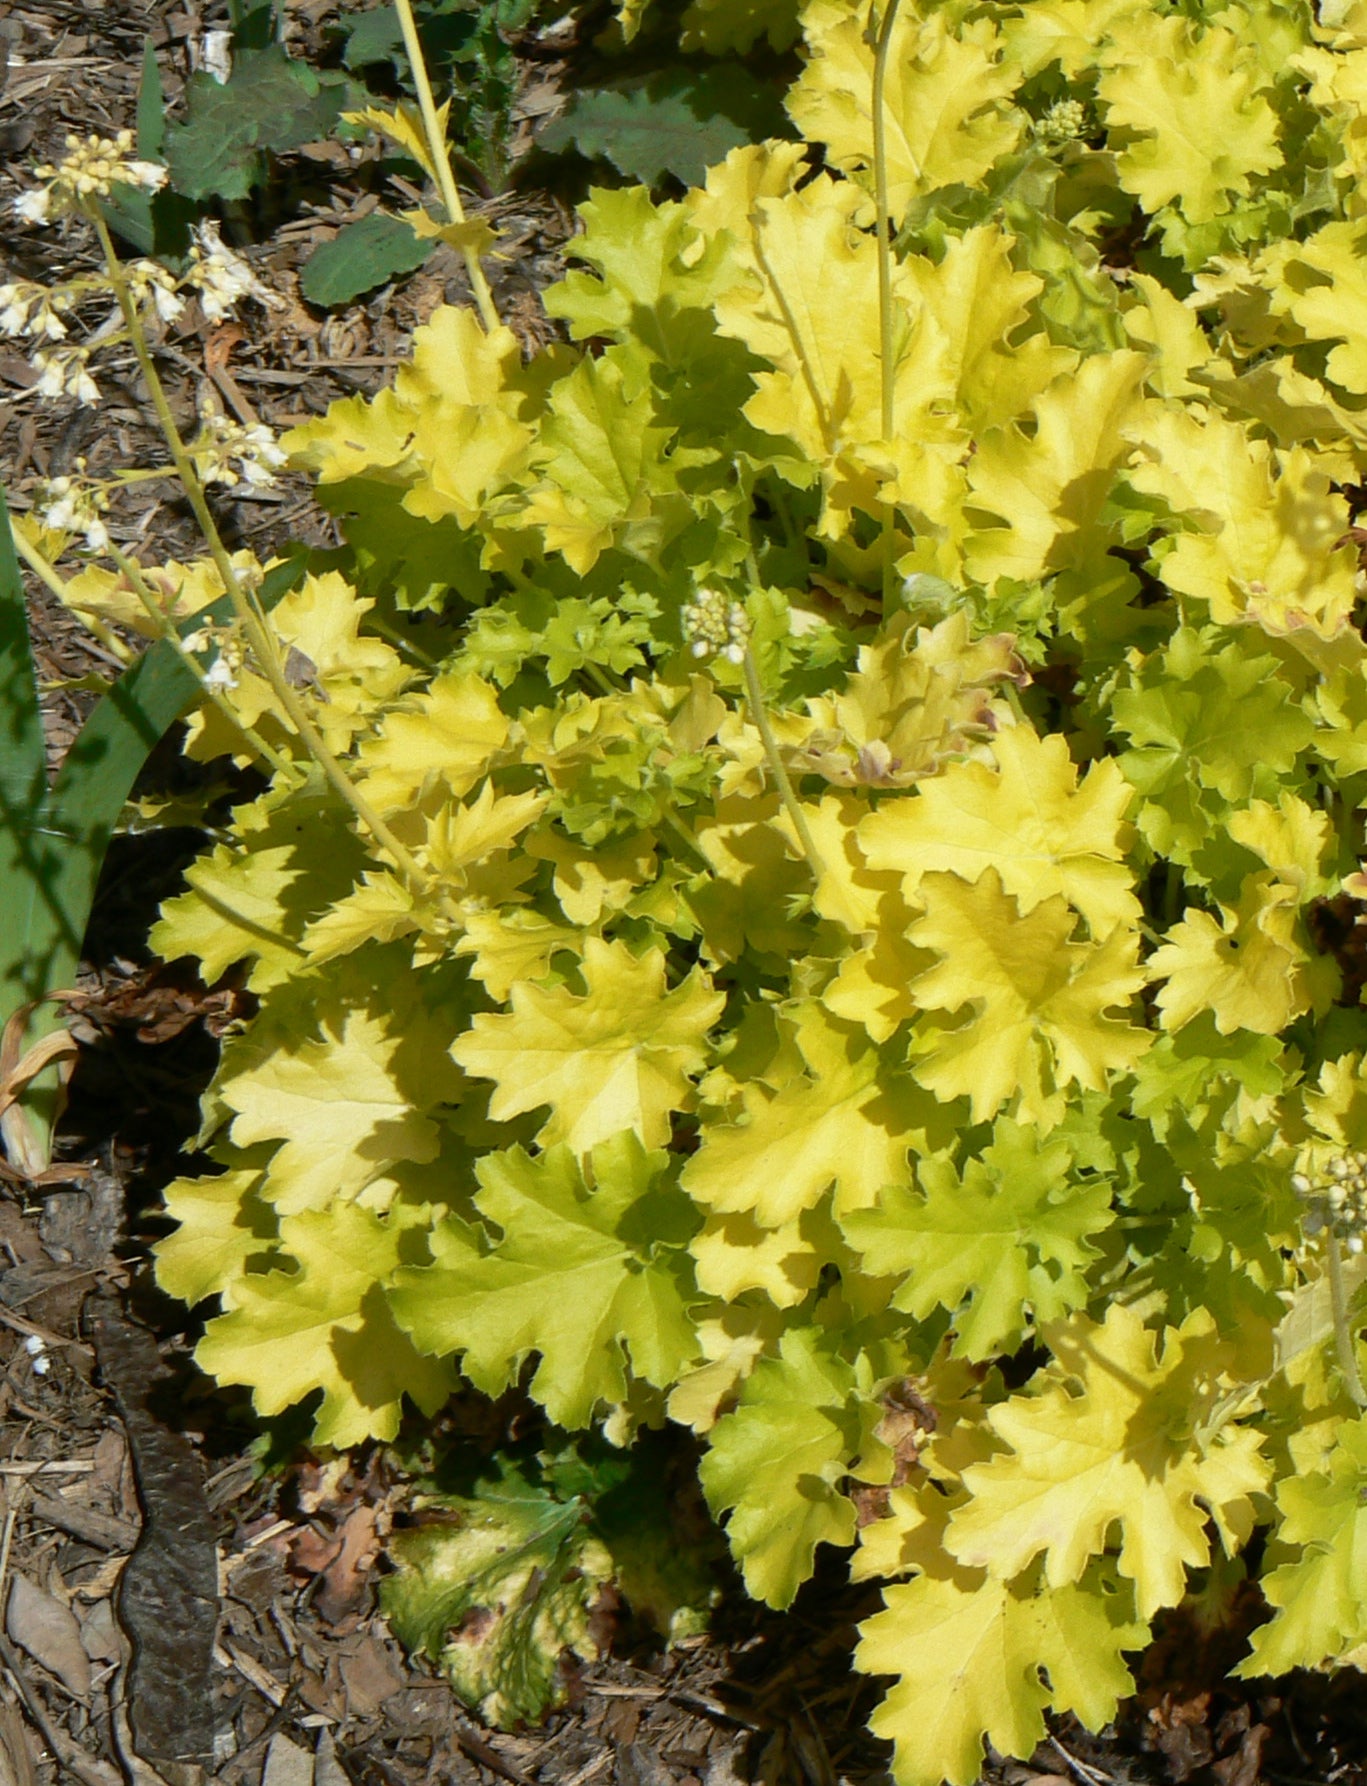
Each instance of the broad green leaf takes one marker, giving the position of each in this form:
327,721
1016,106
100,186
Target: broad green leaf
588,1273
774,1465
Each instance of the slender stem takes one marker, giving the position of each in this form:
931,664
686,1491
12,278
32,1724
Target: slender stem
258,633
282,766
755,701
1343,1338
887,368
441,162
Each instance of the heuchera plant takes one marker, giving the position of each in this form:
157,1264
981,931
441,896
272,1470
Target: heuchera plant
863,885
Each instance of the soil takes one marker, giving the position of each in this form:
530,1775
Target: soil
116,1457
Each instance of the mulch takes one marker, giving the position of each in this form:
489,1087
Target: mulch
107,1433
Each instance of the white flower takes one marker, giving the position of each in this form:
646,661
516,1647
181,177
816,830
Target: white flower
221,675
222,277
34,205
148,280
63,373
16,300
229,452
69,506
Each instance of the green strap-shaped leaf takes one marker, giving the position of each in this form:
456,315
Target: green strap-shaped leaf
52,844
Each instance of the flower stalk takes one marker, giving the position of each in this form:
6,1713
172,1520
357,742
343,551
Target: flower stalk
441,162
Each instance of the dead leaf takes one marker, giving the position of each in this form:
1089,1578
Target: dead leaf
50,1632
370,1674
286,1763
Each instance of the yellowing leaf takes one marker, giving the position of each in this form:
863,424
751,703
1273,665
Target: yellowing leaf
1028,818
1324,288
603,464
584,1274
404,128
461,401
1321,1595
326,1326
733,1254
445,736
1189,104
344,1108
1246,966
1035,1002
848,1121
1268,546
222,1224
947,116
1047,489
972,1656
1123,1451
615,1057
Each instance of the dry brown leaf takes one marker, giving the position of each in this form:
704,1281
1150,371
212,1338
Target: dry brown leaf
50,1632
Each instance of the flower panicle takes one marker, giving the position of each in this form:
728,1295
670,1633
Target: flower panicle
89,171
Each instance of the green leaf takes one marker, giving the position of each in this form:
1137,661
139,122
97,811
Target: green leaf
679,121
359,257
496,1588
589,1272
1009,1238
270,102
775,1463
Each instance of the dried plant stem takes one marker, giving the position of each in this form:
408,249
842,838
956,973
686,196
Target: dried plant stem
441,162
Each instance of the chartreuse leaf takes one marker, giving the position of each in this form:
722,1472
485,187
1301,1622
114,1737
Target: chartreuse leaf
1209,724
1263,539
1246,968
847,1121
1007,1238
1032,1007
1321,1606
326,1325
978,1659
347,1105
1187,102
589,1272
616,1056
774,1464
1030,819
948,116
496,1589
223,1223
1105,1440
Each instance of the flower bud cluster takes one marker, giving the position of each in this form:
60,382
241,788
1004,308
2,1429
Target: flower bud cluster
1066,121
221,277
713,622
70,506
1336,1197
88,172
229,452
33,310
